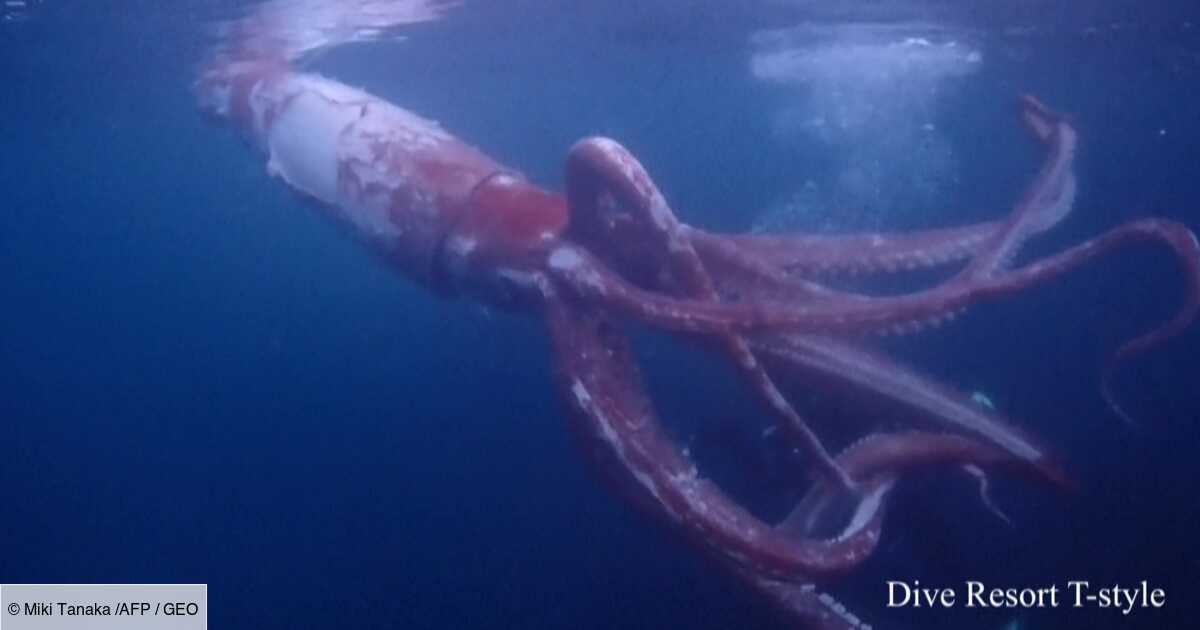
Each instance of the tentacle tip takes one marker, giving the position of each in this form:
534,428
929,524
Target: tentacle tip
985,493
1111,400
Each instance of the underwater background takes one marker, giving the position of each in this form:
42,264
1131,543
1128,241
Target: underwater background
201,380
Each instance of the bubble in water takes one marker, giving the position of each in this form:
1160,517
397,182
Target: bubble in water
866,97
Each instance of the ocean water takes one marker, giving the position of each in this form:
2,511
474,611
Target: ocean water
201,380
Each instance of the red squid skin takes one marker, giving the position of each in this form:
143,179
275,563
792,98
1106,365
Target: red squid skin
610,250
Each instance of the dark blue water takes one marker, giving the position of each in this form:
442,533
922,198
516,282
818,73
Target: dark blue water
201,381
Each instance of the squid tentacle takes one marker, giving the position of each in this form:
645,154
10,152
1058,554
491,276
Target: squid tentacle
1047,200
591,280
1045,203
813,255
601,165
597,165
755,272
878,381
846,364
601,384
989,246
884,457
